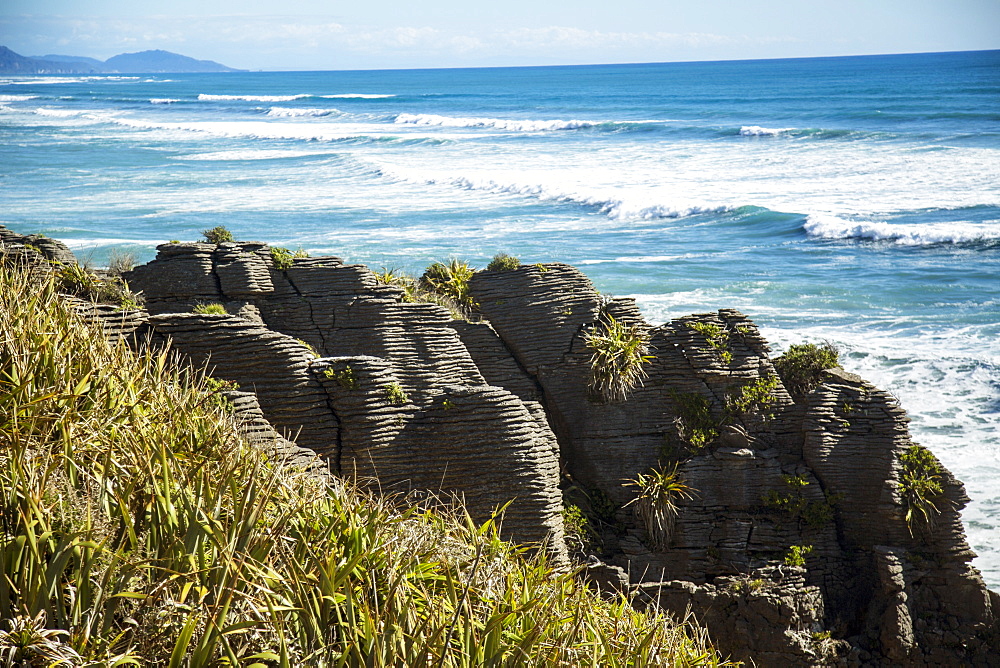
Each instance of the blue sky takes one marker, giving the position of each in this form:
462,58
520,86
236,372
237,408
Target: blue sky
372,34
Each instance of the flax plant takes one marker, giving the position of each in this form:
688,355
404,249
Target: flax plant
137,528
618,358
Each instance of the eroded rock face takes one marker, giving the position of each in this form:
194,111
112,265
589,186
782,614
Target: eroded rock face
403,397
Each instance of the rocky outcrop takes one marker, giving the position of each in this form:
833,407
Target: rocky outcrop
791,530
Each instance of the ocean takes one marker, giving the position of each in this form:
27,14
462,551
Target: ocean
853,200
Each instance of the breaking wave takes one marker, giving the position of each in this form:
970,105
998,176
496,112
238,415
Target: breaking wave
926,234
292,112
498,123
250,98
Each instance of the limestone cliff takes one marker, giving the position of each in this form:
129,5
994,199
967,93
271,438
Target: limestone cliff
794,545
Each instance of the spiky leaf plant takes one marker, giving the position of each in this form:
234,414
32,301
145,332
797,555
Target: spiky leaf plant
618,358
920,484
451,280
656,505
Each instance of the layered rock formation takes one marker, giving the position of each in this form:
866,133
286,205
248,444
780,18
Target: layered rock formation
793,544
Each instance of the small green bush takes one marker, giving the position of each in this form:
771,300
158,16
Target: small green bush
792,500
754,397
796,555
656,506
695,423
450,280
503,262
345,377
213,308
217,235
921,486
802,366
395,394
618,359
284,258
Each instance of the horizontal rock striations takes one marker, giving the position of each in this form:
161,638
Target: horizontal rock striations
803,531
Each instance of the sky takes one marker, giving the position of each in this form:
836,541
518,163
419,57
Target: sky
391,34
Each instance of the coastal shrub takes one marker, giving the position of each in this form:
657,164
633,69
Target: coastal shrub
694,422
415,292
75,279
755,397
217,235
921,488
503,262
717,337
345,377
618,357
138,528
792,500
450,280
211,308
395,394
660,490
796,555
284,258
802,366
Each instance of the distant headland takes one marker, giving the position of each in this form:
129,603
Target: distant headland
155,61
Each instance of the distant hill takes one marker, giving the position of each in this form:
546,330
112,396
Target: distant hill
15,63
98,65
159,61
144,62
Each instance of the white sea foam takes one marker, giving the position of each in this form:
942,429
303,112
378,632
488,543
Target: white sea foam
758,131
356,96
498,123
17,98
59,113
163,100
291,112
249,154
924,234
250,98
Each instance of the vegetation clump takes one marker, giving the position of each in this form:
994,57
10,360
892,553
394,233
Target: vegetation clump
395,394
134,516
921,488
660,490
450,280
120,261
218,235
717,337
792,500
620,353
211,308
284,258
503,262
755,397
802,366
75,279
695,423
345,377
414,291
796,555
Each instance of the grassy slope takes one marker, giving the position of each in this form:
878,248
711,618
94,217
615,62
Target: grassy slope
136,527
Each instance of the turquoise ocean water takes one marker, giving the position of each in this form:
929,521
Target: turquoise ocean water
854,200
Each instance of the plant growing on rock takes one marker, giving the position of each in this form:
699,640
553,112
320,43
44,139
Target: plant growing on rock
618,358
920,484
218,235
395,394
503,262
694,421
755,397
802,366
717,337
284,259
345,377
450,280
660,490
212,308
796,555
120,261
75,279
415,292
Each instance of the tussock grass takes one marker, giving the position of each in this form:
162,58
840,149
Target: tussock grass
137,528
618,357
660,491
416,291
